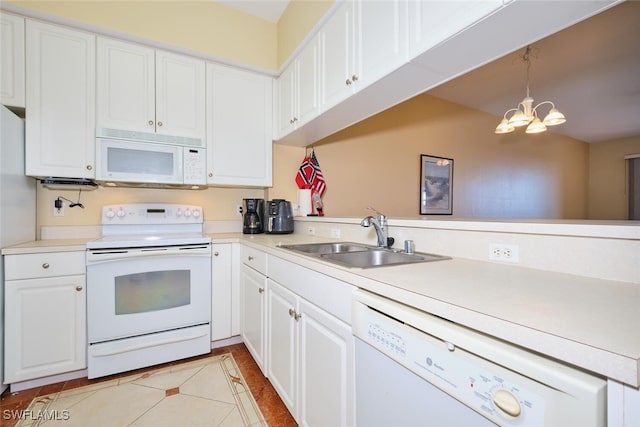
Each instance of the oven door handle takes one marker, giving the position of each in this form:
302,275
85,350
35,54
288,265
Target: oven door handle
96,256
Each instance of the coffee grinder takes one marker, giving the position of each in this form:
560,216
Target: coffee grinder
253,222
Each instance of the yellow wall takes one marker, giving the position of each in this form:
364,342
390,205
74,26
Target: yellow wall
608,187
377,163
204,27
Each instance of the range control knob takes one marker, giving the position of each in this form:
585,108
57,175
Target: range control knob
507,402
187,213
196,213
121,213
110,214
179,213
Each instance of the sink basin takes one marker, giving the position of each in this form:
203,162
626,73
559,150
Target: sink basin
356,255
379,258
326,248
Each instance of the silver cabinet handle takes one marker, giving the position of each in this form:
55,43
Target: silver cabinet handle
210,174
348,82
150,122
45,265
261,290
89,167
216,253
250,258
78,288
159,123
296,316
354,78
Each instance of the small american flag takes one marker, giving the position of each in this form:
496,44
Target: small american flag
310,175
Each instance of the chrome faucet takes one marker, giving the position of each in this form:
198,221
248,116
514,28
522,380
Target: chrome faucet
380,224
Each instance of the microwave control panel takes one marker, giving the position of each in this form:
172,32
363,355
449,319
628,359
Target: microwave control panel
195,165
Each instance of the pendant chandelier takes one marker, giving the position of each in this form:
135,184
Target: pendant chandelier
525,114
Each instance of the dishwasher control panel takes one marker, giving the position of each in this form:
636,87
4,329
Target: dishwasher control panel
506,384
443,365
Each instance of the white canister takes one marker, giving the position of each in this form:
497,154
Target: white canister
304,202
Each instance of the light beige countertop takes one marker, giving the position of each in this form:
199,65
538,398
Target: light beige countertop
52,245
586,322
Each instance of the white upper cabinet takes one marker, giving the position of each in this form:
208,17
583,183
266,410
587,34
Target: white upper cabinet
362,42
298,88
432,22
148,90
239,127
339,68
126,86
381,39
60,101
12,60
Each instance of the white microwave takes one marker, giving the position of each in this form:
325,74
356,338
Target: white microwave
141,162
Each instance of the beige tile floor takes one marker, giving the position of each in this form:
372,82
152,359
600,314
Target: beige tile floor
204,392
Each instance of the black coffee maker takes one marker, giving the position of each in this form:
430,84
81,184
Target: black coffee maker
253,222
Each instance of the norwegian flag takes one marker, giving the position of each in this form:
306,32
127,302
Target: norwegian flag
310,175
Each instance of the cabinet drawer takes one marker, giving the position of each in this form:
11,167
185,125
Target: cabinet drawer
31,266
254,258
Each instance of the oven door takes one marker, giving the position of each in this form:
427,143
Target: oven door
131,292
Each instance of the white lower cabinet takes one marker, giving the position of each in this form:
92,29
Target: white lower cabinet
45,315
222,309
309,352
253,286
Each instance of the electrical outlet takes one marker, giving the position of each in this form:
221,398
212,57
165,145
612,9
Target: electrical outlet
335,233
58,211
239,210
311,230
503,252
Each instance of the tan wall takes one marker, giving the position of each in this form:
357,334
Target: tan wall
377,163
201,26
218,203
296,22
608,186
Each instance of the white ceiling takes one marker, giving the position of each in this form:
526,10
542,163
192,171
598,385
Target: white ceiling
271,10
591,71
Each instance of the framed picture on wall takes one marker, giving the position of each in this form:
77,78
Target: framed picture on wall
436,185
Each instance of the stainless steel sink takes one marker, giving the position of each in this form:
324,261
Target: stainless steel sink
356,255
326,248
379,258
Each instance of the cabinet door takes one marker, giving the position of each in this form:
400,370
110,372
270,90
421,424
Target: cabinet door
60,100
432,22
326,369
180,95
308,84
45,327
287,100
252,313
125,86
337,57
380,38
221,281
281,335
239,127
12,60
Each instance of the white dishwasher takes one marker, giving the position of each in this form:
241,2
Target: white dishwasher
416,369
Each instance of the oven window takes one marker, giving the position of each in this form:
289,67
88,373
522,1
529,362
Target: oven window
152,291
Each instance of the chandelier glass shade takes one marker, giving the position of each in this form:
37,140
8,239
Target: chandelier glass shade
525,114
